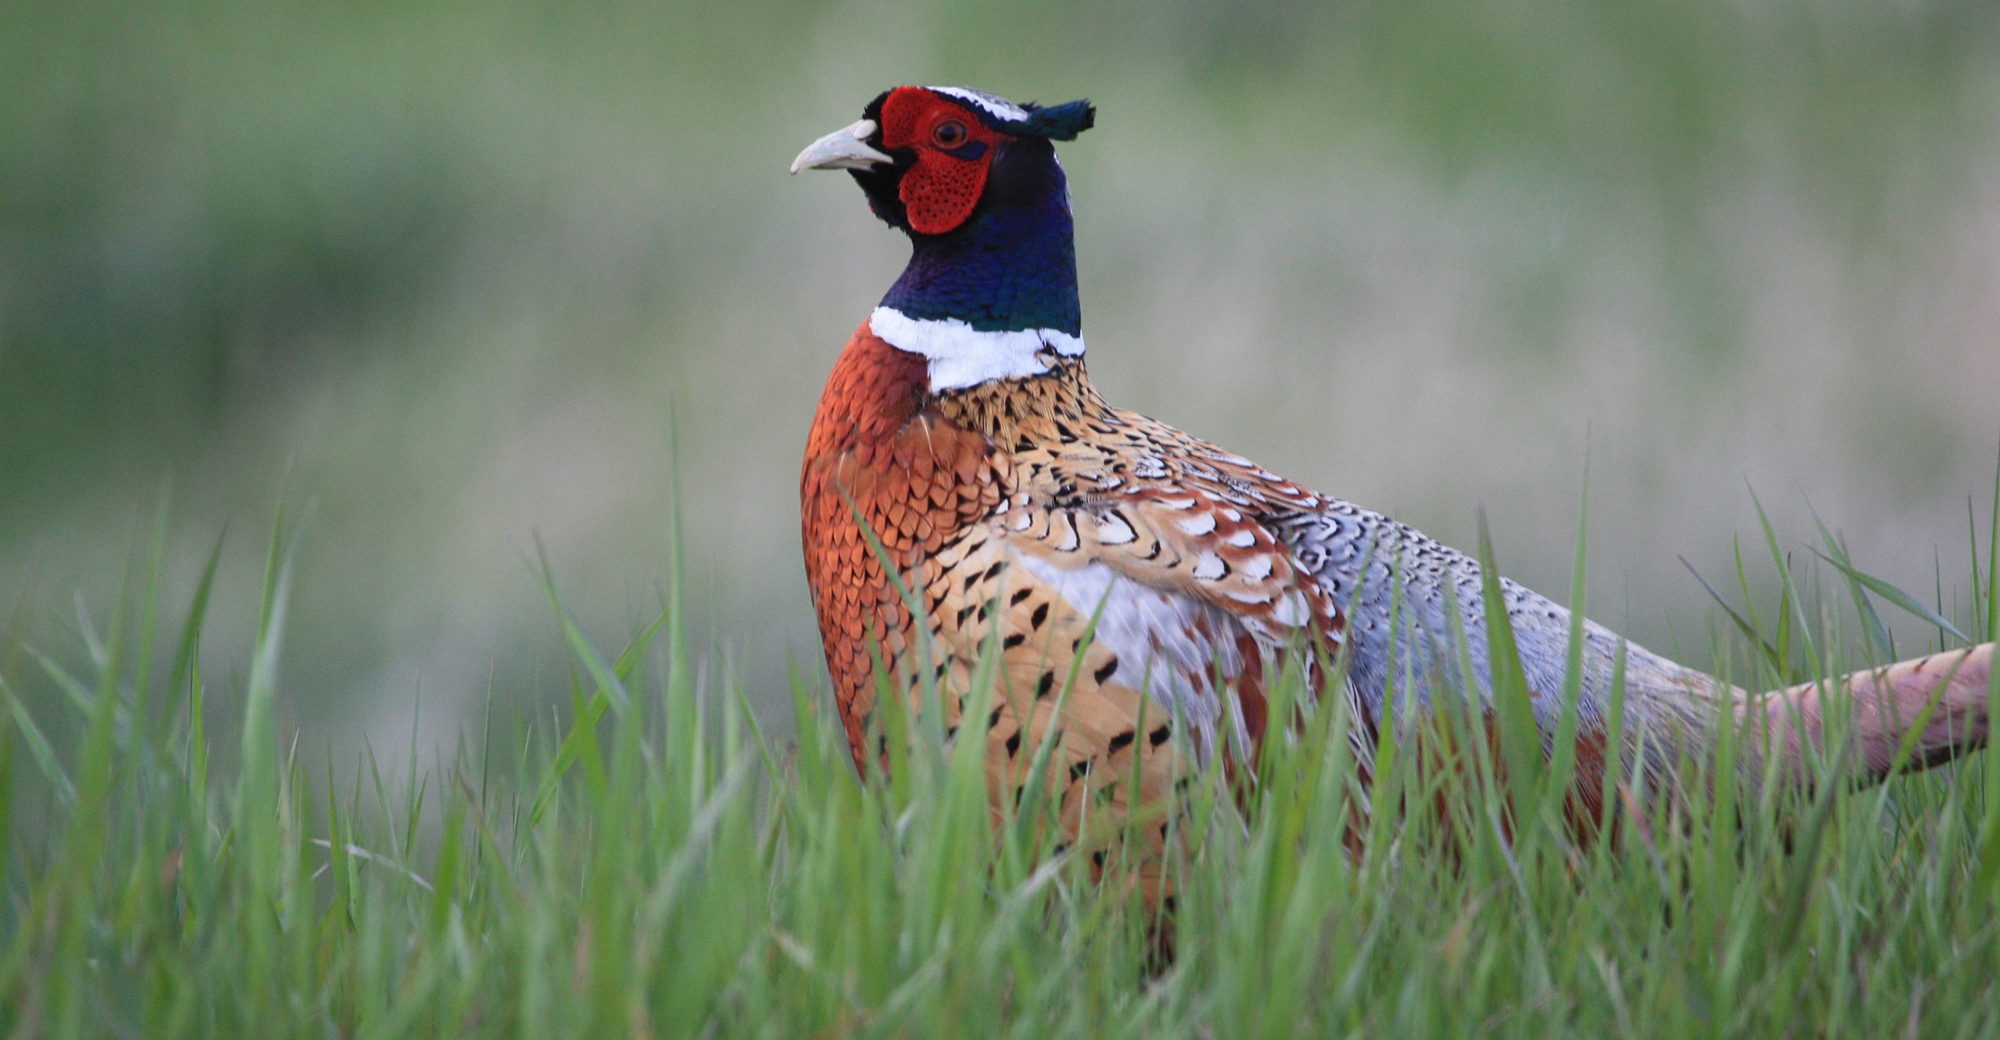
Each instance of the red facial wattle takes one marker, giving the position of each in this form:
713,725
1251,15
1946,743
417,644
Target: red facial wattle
954,152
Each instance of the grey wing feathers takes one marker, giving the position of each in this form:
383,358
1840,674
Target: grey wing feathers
1363,557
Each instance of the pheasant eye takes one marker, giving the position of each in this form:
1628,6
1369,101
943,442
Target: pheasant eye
949,135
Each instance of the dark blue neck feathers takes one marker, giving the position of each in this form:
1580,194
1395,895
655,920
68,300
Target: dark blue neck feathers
1012,264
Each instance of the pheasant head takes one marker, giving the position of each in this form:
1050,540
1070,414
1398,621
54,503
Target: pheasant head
972,178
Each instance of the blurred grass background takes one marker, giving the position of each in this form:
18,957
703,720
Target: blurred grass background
462,273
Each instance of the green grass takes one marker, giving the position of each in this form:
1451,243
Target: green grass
664,870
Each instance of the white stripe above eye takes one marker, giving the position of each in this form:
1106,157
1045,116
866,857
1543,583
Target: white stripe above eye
995,105
962,356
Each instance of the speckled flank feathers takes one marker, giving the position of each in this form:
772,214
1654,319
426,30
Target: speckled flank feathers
1017,505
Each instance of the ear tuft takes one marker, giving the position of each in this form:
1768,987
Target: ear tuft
1059,123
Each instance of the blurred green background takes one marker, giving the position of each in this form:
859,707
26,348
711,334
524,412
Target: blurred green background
460,273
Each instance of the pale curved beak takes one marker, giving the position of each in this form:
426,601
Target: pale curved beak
844,149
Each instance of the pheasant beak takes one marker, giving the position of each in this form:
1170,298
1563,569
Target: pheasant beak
844,149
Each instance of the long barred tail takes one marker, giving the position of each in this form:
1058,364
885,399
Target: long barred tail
1887,703
1401,590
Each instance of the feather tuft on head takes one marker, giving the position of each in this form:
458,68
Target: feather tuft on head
1060,122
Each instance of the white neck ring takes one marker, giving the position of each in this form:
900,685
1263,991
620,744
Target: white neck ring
962,356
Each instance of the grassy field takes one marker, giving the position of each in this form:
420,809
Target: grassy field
467,272
646,863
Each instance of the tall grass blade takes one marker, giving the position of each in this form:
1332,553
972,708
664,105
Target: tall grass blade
1562,763
1878,633
197,613
1895,596
1987,877
258,783
585,714
1743,625
39,747
1513,701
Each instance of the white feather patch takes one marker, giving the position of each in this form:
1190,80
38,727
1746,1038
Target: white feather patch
962,356
1200,524
1113,530
995,105
1158,635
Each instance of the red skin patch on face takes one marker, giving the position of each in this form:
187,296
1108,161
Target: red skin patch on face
939,192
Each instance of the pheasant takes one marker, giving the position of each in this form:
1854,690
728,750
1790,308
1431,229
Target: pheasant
1138,580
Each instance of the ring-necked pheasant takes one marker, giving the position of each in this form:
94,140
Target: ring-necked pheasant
960,425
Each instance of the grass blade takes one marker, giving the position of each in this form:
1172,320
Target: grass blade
39,747
1895,596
